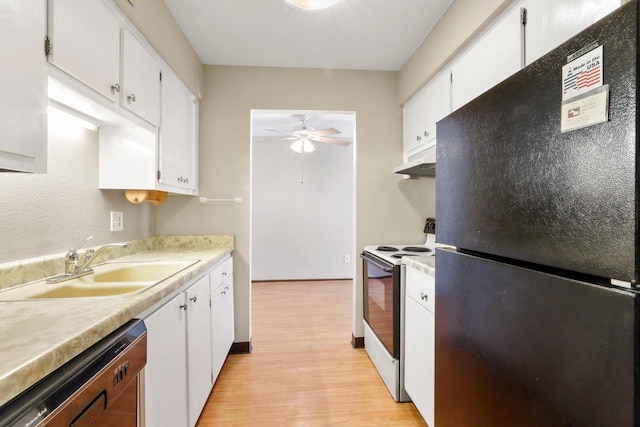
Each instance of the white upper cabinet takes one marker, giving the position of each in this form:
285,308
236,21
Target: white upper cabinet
23,131
552,22
97,51
496,56
85,43
422,111
178,139
140,79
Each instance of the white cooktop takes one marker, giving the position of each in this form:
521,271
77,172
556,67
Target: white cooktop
395,253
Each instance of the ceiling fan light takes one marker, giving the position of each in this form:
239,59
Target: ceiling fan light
297,146
308,147
311,4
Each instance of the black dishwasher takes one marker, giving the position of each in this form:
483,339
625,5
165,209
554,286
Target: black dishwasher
99,387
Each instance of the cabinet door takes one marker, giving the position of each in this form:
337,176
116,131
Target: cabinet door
552,22
438,94
229,323
165,375
198,347
493,58
419,370
85,37
178,125
415,123
218,353
140,79
23,132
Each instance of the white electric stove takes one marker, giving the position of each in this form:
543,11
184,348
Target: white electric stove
383,291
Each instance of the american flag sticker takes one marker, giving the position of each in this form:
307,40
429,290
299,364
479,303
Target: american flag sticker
582,74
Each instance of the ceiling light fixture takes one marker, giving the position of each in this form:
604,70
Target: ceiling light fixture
303,145
311,4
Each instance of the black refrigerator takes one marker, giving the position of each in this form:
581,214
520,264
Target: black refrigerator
537,189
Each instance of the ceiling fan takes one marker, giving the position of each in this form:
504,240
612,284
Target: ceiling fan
304,136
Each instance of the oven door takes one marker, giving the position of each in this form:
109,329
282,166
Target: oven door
382,300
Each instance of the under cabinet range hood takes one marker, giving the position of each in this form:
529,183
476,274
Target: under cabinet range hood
421,166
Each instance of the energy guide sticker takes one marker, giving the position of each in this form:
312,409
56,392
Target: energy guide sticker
582,74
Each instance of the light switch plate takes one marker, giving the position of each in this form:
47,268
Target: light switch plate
117,221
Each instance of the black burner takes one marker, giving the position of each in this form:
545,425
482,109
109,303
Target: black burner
401,255
416,249
387,249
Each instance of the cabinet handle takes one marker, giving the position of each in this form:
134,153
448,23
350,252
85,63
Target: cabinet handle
194,298
132,97
183,307
424,296
115,87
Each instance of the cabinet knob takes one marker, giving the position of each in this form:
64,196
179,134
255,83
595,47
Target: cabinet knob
426,134
224,274
424,296
418,138
132,97
115,87
194,298
224,292
183,307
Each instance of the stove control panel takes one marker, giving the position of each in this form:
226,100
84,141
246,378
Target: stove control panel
430,226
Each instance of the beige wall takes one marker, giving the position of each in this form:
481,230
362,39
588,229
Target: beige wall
50,213
387,208
153,19
463,20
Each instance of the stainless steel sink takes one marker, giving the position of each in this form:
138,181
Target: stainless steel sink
109,280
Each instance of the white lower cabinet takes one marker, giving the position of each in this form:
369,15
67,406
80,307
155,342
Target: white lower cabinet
222,315
165,379
419,341
200,380
188,338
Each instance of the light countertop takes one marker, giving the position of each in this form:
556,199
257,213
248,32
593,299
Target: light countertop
425,264
39,336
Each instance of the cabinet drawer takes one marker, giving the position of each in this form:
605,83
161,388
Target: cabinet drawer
221,273
421,288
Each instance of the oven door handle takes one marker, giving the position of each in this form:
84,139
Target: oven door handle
370,258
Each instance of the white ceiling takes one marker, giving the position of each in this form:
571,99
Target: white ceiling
354,34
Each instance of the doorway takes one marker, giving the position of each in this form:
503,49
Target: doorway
302,195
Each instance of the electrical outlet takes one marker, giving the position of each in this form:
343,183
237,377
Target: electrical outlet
117,221
347,259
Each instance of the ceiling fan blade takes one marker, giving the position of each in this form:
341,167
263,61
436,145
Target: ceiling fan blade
325,140
325,132
281,132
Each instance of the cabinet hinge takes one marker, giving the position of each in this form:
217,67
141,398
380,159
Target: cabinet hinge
160,75
523,15
159,175
47,46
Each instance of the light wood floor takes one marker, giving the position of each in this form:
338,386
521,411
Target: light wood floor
303,370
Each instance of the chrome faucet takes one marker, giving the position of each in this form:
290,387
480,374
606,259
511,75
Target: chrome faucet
72,266
91,254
